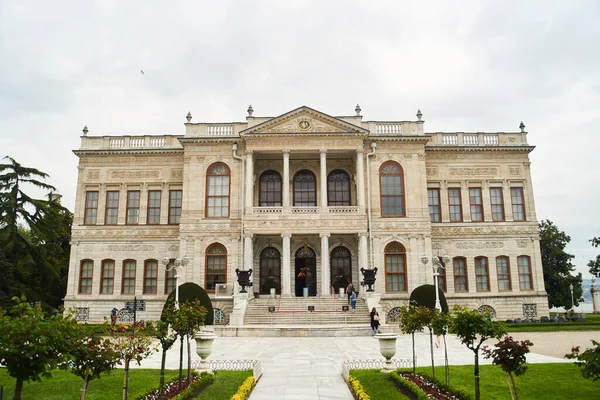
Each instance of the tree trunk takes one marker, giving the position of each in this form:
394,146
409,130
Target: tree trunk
431,348
161,385
126,379
511,386
414,355
18,389
476,375
180,363
189,366
86,381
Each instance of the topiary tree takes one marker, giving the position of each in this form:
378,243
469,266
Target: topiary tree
509,354
189,292
588,361
424,295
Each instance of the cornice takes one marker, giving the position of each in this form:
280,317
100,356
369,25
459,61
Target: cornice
450,149
112,152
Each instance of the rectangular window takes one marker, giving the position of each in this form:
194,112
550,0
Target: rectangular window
482,274
150,277
454,201
476,204
91,208
218,196
107,277
216,270
170,281
435,210
461,282
128,285
395,273
153,207
86,272
133,207
175,206
497,202
518,203
503,268
525,278
442,278
112,207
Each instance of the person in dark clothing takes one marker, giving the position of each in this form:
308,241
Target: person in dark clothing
349,291
374,321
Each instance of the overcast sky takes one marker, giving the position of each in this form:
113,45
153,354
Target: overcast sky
468,65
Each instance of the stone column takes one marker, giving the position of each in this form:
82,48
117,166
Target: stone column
360,181
249,258
286,181
286,274
363,254
325,268
323,180
595,297
249,181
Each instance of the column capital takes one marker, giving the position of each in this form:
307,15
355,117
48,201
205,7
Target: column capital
248,235
361,234
324,234
249,153
323,150
360,150
286,151
286,235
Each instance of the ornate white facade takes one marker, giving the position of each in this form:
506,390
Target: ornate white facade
306,200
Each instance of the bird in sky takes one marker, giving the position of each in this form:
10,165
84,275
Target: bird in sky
142,71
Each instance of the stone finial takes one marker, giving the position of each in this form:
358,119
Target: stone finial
419,114
250,110
189,117
522,126
85,130
358,110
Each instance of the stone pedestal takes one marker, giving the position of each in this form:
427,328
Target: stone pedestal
595,297
240,301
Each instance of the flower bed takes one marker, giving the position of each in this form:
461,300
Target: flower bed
245,389
431,390
171,390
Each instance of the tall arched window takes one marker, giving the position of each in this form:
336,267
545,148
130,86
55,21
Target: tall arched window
270,189
395,268
391,180
341,267
503,269
482,274
305,189
461,279
216,266
525,276
270,270
150,277
86,272
217,190
338,188
107,277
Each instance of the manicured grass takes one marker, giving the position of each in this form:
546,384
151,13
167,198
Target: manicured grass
64,385
226,385
377,385
592,323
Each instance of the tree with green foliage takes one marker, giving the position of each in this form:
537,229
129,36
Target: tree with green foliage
32,343
588,361
161,330
594,265
472,329
440,327
557,267
509,354
410,322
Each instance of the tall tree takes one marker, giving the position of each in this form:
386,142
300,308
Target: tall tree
594,265
558,267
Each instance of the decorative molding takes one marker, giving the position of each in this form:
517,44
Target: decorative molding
436,245
88,247
475,156
177,174
487,230
514,170
400,226
173,247
479,245
432,171
93,174
474,171
130,233
140,174
129,247
522,243
128,159
334,225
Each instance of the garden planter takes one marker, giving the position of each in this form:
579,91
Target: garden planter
204,342
387,346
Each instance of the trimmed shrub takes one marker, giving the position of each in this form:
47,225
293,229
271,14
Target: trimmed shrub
424,295
190,291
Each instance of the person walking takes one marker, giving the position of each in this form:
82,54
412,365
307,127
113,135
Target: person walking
374,321
349,290
353,301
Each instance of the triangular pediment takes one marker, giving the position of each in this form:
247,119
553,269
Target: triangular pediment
304,120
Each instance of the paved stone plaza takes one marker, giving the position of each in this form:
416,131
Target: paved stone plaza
296,368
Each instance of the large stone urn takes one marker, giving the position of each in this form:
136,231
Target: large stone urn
387,346
204,342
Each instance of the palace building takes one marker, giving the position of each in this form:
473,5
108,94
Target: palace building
305,200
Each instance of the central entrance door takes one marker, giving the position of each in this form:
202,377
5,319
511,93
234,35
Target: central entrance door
306,271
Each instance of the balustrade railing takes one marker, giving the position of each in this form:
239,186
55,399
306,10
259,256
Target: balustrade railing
267,210
374,363
343,210
389,128
219,130
305,210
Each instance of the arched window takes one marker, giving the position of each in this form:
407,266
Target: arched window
338,188
270,270
461,280
395,268
150,276
391,180
86,273
217,190
525,277
107,277
503,269
341,267
305,189
216,266
482,274
270,189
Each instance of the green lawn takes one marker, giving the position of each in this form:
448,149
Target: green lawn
226,385
592,323
377,384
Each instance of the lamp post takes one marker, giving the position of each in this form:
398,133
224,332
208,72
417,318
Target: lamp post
572,301
436,264
177,264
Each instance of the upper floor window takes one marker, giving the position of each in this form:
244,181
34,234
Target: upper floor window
170,280
107,277
270,189
112,207
476,204
391,181
442,276
482,274
497,201
461,281
154,207
91,208
128,282
525,278
455,204
150,276
133,207
175,206
338,188
433,200
217,193
305,189
518,203
86,272
503,268
395,268
216,266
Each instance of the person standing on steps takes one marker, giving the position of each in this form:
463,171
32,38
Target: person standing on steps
349,291
374,321
353,301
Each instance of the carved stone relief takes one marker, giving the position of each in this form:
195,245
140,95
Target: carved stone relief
131,233
173,247
176,173
522,243
93,174
513,170
479,245
129,247
474,171
432,171
134,174
495,230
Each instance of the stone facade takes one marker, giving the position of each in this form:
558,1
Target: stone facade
306,200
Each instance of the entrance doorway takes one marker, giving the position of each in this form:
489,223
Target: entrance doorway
306,271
